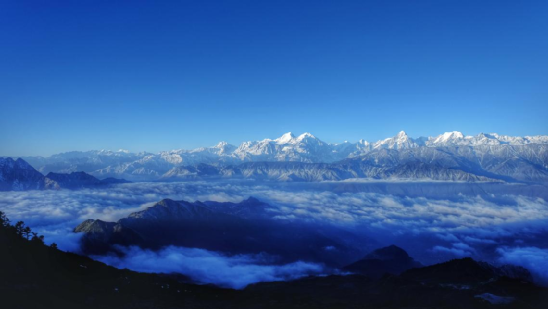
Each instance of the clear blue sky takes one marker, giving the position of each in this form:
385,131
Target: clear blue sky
159,75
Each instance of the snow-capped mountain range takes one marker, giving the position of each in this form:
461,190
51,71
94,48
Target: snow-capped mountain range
308,148
305,148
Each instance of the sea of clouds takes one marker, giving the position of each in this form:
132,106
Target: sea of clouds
500,229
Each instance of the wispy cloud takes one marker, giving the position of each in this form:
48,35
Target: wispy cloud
531,258
211,267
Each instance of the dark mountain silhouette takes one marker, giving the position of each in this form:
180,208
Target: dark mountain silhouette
18,175
101,235
232,228
114,181
250,208
34,275
466,271
390,291
74,180
391,259
171,210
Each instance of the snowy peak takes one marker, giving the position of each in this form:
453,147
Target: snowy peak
400,141
451,135
290,138
224,148
285,138
456,138
363,142
221,144
306,135
287,148
304,148
308,140
447,137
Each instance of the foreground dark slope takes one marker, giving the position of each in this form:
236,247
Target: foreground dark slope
33,275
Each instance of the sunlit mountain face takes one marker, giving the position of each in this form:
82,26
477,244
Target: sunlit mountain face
451,156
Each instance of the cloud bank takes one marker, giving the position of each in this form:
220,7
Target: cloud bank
487,227
210,267
531,258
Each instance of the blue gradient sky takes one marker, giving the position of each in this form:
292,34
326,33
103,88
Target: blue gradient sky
160,75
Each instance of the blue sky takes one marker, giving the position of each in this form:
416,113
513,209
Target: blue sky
152,75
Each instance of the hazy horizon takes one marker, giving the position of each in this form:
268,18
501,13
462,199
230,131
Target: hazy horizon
237,143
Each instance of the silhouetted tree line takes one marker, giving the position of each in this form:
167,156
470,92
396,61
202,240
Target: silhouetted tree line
20,230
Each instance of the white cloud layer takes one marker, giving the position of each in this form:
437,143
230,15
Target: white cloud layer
432,230
210,267
531,258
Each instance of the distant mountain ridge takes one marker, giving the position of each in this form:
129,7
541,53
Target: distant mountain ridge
485,163
18,175
451,156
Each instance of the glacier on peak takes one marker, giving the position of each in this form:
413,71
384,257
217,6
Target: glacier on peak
305,135
304,148
285,138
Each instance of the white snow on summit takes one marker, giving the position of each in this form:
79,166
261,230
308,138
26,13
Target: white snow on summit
456,138
287,148
285,138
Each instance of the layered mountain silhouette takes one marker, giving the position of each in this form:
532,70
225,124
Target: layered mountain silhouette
392,260
18,175
34,275
387,260
455,284
234,228
466,271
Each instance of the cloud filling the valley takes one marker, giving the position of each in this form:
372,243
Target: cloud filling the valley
210,267
484,227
